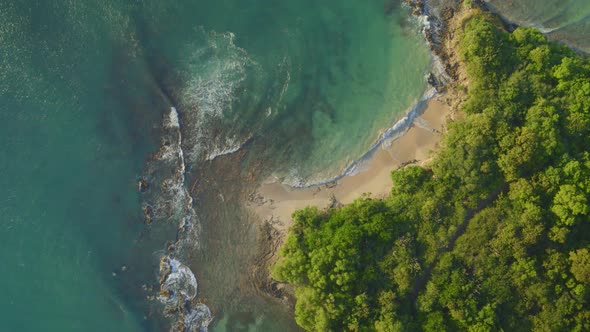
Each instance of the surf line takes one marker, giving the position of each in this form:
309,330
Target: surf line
390,135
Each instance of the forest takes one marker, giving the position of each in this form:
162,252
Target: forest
493,235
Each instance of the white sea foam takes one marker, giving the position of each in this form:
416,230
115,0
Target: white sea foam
180,280
399,128
429,28
172,202
169,201
547,30
439,70
215,71
231,145
167,152
424,21
180,285
182,201
392,133
198,318
172,119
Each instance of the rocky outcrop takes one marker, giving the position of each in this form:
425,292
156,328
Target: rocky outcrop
435,17
441,23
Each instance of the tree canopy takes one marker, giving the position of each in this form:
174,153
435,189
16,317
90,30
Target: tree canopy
492,236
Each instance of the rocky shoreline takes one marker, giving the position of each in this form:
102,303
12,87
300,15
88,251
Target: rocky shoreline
440,20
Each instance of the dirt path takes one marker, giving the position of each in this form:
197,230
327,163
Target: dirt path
425,277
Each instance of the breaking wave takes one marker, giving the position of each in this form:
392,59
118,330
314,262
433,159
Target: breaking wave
166,196
179,280
217,69
215,72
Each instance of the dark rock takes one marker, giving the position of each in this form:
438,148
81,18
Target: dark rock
147,213
434,82
143,185
447,13
417,7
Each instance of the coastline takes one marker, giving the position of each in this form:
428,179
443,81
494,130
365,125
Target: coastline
270,205
274,203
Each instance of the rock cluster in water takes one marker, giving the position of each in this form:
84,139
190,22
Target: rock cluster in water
166,200
178,293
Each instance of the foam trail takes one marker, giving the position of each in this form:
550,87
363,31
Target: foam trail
179,280
216,69
431,29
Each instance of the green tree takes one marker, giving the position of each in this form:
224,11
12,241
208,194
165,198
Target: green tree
580,260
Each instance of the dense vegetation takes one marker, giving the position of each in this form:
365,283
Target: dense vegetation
494,235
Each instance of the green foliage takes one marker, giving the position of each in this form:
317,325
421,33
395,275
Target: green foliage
580,260
491,237
335,259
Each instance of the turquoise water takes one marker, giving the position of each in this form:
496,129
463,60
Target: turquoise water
67,169
84,91
565,21
301,88
323,78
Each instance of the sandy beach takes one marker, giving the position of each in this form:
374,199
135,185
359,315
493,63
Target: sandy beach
275,203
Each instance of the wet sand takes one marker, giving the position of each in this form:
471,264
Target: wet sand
275,203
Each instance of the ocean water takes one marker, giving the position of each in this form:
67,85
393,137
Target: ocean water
188,96
133,131
564,21
68,161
